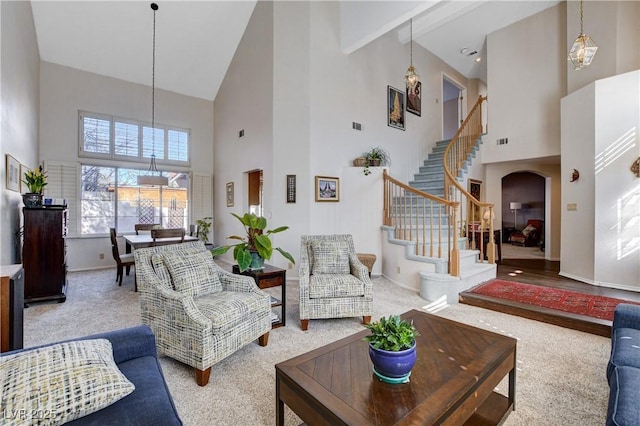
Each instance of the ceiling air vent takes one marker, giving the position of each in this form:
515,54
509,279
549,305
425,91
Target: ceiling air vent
502,141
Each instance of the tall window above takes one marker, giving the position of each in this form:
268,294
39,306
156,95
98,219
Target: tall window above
108,137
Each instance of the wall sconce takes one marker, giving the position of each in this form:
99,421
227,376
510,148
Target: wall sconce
635,168
575,175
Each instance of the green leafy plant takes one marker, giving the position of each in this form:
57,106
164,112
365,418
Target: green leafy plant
376,156
256,239
391,334
204,225
35,180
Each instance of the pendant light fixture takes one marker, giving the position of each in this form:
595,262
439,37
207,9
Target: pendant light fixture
154,177
583,49
411,78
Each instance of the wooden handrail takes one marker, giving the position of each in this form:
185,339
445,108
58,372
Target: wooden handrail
455,155
418,217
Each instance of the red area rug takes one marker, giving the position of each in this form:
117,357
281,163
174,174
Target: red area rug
552,298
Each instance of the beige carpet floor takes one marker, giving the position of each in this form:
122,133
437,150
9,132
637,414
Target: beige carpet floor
560,376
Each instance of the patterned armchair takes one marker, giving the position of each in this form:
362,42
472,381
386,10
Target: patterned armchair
333,282
199,313
530,236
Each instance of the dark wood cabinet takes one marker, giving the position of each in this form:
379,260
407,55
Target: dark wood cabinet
11,307
44,254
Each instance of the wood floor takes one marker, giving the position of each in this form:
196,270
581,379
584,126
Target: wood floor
545,273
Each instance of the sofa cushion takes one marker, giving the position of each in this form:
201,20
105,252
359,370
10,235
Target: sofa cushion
335,285
329,257
61,382
624,395
528,229
149,404
227,309
625,349
193,274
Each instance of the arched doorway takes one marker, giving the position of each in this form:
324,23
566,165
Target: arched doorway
523,199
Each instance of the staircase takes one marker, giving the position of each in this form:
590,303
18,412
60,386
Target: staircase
424,224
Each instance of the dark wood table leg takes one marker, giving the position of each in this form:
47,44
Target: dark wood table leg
279,404
512,388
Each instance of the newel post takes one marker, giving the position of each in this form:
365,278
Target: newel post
491,245
454,261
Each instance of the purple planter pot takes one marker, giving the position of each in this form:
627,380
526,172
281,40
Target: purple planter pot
393,364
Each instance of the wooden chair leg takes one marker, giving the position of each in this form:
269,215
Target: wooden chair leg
128,269
366,320
119,275
202,376
304,324
264,339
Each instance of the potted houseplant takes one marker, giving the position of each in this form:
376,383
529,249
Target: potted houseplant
203,227
392,348
35,180
255,247
376,156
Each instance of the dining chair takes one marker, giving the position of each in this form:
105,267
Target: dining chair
122,260
167,233
145,227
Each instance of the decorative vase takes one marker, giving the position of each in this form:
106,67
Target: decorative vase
257,263
393,366
32,200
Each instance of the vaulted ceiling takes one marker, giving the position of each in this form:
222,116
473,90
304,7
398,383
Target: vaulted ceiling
196,40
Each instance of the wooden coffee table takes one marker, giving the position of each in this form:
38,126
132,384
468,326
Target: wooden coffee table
452,382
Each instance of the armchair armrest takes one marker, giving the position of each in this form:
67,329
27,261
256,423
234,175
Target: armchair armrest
358,268
626,316
236,282
176,305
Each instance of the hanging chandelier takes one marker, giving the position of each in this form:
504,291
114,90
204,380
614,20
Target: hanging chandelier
583,49
411,78
154,177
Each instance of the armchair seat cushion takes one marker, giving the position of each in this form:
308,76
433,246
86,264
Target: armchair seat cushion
229,308
323,286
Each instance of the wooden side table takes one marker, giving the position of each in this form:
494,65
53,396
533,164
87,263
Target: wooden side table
269,277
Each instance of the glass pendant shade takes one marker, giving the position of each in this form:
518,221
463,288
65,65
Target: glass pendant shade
411,77
582,52
583,49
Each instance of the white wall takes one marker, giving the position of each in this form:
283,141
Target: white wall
64,91
20,70
526,66
601,125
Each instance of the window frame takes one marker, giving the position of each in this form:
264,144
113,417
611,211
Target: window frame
140,158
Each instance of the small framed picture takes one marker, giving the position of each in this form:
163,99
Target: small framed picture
12,178
414,99
229,194
395,108
475,189
291,188
327,188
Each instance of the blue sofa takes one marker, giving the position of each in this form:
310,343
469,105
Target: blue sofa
134,351
623,370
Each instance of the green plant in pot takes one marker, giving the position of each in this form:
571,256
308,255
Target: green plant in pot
392,348
255,247
204,225
35,180
376,156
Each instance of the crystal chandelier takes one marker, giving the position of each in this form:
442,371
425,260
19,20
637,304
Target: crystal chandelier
583,49
411,78
154,177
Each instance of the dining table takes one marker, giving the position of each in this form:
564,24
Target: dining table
145,240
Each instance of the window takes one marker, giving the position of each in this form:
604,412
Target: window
104,136
111,198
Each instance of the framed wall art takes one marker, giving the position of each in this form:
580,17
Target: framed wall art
229,194
12,179
395,108
291,188
327,188
414,99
